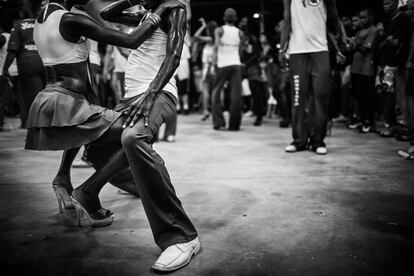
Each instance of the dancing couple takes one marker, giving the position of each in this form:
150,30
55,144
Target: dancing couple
65,116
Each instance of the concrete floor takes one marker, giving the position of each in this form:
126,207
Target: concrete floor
258,210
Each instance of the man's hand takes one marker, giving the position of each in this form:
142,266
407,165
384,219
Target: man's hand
142,108
283,59
340,58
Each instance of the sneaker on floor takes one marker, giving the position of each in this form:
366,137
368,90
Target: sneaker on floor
81,163
291,148
354,125
176,256
340,119
321,150
365,130
248,114
170,139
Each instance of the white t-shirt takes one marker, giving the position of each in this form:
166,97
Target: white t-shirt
308,27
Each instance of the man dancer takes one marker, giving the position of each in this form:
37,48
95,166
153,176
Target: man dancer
150,73
227,46
304,37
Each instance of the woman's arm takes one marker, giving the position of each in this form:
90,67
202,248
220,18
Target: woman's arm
198,36
73,26
115,13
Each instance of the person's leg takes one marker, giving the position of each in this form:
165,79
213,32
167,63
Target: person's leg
168,220
299,78
217,111
400,95
98,156
320,75
87,193
254,88
206,97
285,103
235,104
20,101
170,128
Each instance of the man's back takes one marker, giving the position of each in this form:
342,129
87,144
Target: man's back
228,50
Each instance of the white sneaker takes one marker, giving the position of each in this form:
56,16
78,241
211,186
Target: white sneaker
177,256
322,150
170,139
291,149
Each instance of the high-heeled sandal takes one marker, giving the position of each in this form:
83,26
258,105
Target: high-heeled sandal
99,218
63,198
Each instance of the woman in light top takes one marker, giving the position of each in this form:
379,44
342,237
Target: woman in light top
207,61
64,115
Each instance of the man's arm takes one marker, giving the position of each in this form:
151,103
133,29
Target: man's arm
115,13
12,48
218,33
287,26
333,20
176,29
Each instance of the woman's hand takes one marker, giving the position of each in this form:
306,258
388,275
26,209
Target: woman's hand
203,22
142,108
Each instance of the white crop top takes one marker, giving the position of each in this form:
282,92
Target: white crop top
52,47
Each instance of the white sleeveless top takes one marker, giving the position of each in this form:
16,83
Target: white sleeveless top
228,50
52,47
94,56
144,64
308,27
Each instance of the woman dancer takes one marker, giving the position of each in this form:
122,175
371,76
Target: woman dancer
62,116
207,60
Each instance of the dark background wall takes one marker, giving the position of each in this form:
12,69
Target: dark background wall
213,9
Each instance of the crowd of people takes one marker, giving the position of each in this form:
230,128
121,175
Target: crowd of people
236,70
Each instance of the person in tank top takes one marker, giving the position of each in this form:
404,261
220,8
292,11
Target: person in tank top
63,116
227,52
304,39
150,76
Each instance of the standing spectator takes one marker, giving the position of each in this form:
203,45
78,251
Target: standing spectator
362,70
410,73
183,77
250,54
207,62
280,83
356,25
306,24
22,47
227,46
393,54
3,80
